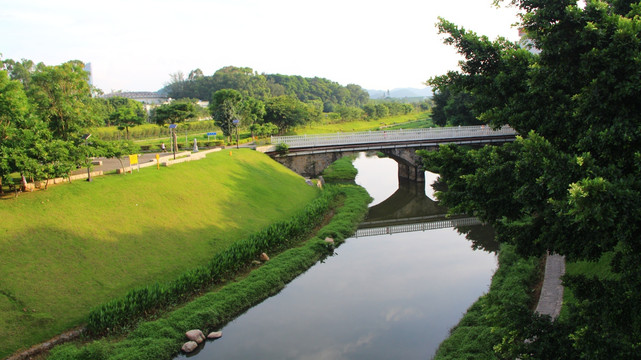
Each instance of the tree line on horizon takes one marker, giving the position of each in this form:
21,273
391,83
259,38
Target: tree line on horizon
47,113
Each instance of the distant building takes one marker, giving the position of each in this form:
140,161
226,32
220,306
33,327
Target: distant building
88,70
527,43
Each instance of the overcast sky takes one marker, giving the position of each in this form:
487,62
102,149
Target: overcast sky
135,45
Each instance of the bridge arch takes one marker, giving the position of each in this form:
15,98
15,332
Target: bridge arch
310,155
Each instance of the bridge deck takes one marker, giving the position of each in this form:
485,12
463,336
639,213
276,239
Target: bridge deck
395,137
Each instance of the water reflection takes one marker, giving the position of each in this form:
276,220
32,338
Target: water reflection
381,297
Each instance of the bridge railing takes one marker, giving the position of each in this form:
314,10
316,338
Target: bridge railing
367,137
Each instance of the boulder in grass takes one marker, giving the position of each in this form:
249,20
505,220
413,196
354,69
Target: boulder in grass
195,335
264,257
329,240
189,346
215,335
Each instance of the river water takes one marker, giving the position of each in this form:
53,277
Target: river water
379,297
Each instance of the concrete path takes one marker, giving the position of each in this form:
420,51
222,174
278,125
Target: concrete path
551,297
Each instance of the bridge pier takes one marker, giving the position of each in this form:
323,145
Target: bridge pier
309,165
410,165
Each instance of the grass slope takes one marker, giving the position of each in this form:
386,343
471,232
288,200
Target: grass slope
363,125
72,247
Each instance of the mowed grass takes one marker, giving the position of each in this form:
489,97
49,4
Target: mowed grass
74,246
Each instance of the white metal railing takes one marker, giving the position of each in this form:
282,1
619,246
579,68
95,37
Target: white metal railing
366,137
432,225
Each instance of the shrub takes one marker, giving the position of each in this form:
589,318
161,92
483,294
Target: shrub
282,149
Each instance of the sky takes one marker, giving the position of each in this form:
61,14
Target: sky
134,45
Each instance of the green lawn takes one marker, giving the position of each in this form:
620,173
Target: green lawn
360,125
74,246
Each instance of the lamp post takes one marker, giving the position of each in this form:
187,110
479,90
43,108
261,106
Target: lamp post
86,139
236,121
172,132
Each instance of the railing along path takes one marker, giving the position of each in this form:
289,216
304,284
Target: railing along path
368,137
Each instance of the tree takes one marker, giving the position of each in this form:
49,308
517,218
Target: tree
452,108
14,109
252,112
571,184
119,149
225,107
285,112
61,95
175,112
127,113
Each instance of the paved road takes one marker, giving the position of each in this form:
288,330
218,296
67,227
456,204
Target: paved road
110,164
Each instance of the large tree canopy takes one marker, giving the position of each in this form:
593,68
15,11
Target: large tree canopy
225,107
62,98
572,182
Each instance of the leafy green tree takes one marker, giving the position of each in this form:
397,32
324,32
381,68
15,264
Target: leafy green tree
286,112
453,108
62,95
175,112
571,184
127,113
252,112
20,70
225,107
118,149
14,109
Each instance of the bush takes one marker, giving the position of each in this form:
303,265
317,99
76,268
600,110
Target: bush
282,149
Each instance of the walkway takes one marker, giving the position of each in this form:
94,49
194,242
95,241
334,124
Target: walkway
551,298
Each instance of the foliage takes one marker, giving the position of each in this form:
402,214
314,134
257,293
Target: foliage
61,96
265,86
285,112
175,112
225,107
282,148
452,108
127,113
572,183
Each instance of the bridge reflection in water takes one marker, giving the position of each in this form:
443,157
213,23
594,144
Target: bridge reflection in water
418,226
410,210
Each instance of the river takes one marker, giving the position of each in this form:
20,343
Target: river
378,297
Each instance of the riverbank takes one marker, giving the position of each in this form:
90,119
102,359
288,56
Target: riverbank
74,246
162,338
489,322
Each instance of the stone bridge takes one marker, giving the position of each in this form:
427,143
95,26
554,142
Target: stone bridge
309,155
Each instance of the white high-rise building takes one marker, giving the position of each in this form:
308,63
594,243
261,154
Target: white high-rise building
88,69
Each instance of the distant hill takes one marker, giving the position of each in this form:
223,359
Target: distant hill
400,93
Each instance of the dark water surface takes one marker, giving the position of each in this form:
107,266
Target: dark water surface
379,297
